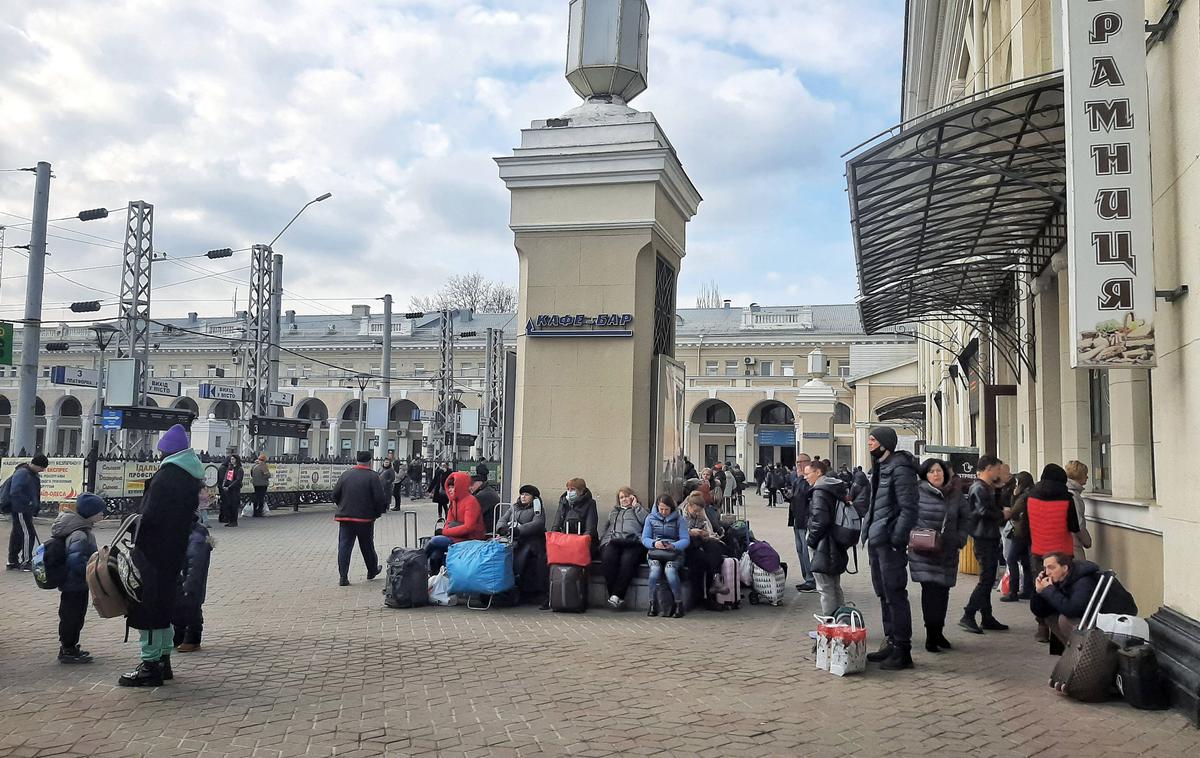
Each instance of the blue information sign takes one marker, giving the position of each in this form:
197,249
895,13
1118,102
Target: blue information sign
777,437
111,418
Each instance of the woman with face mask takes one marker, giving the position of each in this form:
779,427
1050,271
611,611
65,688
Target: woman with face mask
525,526
577,512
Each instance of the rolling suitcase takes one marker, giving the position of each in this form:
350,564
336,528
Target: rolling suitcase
1088,665
407,583
1139,679
568,589
732,596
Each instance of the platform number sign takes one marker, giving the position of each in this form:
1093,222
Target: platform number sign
6,340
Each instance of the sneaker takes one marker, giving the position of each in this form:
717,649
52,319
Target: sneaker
343,582
12,566
73,655
27,567
615,601
1008,598
992,625
968,622
378,570
806,587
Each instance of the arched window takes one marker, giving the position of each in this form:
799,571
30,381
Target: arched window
841,414
718,413
778,414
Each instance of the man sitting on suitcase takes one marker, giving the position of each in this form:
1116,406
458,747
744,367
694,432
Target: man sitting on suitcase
1064,588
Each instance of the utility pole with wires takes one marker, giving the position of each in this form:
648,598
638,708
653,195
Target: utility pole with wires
134,306
446,416
276,330
381,449
492,423
258,331
24,436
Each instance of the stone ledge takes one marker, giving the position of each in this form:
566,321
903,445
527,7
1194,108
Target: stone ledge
1176,640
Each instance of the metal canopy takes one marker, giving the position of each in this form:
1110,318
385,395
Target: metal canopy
907,411
948,211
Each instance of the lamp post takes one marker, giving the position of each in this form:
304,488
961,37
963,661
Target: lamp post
362,380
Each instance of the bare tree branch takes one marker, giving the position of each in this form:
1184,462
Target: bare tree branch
709,295
470,291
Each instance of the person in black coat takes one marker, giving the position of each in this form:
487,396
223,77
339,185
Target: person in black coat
437,489
361,500
488,500
525,526
1064,588
940,506
188,619
892,515
988,514
167,511
577,512
797,496
229,489
829,559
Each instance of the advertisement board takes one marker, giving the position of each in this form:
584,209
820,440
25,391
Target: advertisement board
62,481
136,475
1110,247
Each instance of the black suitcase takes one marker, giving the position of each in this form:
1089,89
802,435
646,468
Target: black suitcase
407,583
568,589
1140,680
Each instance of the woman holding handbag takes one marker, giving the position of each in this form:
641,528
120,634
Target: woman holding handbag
943,521
577,512
621,550
665,537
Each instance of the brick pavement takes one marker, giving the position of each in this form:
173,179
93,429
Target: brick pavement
293,665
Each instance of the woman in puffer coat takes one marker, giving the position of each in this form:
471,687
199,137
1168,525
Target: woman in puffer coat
525,525
829,559
706,552
665,533
940,506
621,550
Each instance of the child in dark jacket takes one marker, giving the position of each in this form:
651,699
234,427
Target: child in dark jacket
188,617
75,528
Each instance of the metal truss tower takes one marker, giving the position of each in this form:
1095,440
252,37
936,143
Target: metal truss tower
258,349
134,308
445,419
492,421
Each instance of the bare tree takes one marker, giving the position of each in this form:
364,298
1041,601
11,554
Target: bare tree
469,291
709,296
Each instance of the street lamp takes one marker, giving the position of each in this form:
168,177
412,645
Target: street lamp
362,380
104,333
326,196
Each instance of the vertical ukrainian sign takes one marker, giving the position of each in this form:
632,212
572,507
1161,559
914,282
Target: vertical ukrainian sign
1110,241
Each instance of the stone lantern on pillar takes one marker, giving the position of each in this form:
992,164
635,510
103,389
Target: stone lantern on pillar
815,403
818,365
607,48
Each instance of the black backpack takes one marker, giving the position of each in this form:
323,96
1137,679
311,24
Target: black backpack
51,572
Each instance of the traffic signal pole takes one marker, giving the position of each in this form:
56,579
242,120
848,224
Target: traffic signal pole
24,438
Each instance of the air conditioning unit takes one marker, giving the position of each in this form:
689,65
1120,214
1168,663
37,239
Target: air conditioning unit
749,361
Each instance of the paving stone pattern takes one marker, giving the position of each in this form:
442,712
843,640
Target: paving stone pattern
293,665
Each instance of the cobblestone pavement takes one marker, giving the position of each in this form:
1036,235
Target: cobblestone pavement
293,665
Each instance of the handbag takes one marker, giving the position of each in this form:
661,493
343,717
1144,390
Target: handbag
568,549
658,554
928,541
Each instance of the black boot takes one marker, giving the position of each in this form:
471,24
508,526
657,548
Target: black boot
677,611
942,642
653,608
164,663
901,658
883,653
73,655
147,674
968,622
990,624
932,635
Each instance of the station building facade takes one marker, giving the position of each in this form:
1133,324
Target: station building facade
744,368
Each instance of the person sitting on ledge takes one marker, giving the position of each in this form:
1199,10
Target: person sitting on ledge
464,520
665,536
621,550
1064,588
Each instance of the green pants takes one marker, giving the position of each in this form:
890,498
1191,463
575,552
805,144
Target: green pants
156,643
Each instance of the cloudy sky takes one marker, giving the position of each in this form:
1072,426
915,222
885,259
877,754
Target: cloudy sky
230,116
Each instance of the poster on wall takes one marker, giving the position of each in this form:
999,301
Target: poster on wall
62,481
667,442
137,473
110,478
1110,251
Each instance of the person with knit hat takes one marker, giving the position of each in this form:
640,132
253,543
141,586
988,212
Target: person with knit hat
1051,521
525,526
75,529
892,515
361,500
169,504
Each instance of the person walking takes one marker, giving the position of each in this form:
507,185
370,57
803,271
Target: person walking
775,482
829,560
941,507
891,517
1020,567
168,509
987,515
437,489
798,496
260,477
25,500
360,499
760,475
75,529
621,549
387,480
229,489
1077,478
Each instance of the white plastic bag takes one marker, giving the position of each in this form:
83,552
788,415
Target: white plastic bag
439,589
247,510
746,570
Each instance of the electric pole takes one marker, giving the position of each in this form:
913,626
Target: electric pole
276,335
492,421
445,417
387,374
134,308
258,325
24,438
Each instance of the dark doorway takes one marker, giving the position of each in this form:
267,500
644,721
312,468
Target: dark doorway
710,455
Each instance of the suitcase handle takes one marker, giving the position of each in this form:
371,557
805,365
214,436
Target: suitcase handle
1097,601
405,534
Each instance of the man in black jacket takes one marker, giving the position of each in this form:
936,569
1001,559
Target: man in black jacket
361,500
488,500
1064,588
892,515
798,511
987,516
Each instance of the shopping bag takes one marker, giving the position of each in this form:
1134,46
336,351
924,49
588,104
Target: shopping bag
478,567
568,549
247,510
848,649
1006,583
439,589
825,627
746,570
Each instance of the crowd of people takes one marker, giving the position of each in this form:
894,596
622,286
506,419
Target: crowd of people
913,517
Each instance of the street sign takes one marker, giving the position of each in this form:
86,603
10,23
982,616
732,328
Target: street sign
284,399
163,387
111,418
76,377
425,415
6,343
217,392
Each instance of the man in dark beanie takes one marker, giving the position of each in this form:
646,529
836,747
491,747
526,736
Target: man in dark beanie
361,500
892,515
24,501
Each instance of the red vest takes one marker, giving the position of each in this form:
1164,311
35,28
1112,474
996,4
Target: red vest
1048,531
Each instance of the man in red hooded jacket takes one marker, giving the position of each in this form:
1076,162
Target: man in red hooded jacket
463,522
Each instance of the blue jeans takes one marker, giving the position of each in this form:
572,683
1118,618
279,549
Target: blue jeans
435,552
673,581
805,558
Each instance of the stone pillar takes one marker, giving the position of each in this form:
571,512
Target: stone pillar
1130,453
815,402
50,444
334,443
1047,357
600,204
1074,395
87,432
739,433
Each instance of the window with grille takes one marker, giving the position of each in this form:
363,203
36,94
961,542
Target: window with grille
1101,472
664,309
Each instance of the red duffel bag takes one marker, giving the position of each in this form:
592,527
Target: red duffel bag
568,549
